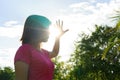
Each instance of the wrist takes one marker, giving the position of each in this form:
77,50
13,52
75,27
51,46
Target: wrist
57,38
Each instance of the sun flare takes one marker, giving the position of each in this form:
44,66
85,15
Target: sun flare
54,32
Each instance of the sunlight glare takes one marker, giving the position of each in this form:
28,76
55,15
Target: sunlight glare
54,32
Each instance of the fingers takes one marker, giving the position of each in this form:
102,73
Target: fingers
59,23
65,31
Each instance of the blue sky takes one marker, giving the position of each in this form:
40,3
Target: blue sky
78,16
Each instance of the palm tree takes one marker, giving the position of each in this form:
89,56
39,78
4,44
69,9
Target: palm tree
114,39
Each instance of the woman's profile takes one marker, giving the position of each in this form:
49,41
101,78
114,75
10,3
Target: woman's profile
31,61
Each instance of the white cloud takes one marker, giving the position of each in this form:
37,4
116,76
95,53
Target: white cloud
11,29
116,1
7,57
84,7
92,1
87,14
78,5
10,23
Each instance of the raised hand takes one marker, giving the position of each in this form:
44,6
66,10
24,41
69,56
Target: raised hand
59,25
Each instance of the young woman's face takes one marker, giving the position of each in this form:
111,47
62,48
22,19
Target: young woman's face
44,35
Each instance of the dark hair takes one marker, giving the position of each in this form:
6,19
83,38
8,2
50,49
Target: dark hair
32,27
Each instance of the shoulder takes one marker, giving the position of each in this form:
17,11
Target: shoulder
23,53
23,50
24,47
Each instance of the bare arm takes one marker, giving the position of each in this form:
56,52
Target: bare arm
56,46
21,71
55,50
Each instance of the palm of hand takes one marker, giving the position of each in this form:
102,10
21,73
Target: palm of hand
59,25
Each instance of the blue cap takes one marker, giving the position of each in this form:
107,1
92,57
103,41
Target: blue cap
37,21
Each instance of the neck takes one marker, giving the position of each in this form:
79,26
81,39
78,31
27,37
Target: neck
37,46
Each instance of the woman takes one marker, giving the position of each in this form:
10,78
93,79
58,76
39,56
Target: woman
31,61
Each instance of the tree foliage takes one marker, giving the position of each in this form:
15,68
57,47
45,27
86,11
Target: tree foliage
87,58
62,69
7,73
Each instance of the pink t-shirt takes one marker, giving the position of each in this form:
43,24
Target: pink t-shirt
40,65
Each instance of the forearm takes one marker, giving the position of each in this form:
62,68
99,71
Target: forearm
56,47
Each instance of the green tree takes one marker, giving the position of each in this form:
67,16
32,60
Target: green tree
62,69
7,73
87,59
113,41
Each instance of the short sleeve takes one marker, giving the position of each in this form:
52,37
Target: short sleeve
23,54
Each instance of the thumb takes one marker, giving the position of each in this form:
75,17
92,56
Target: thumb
66,30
